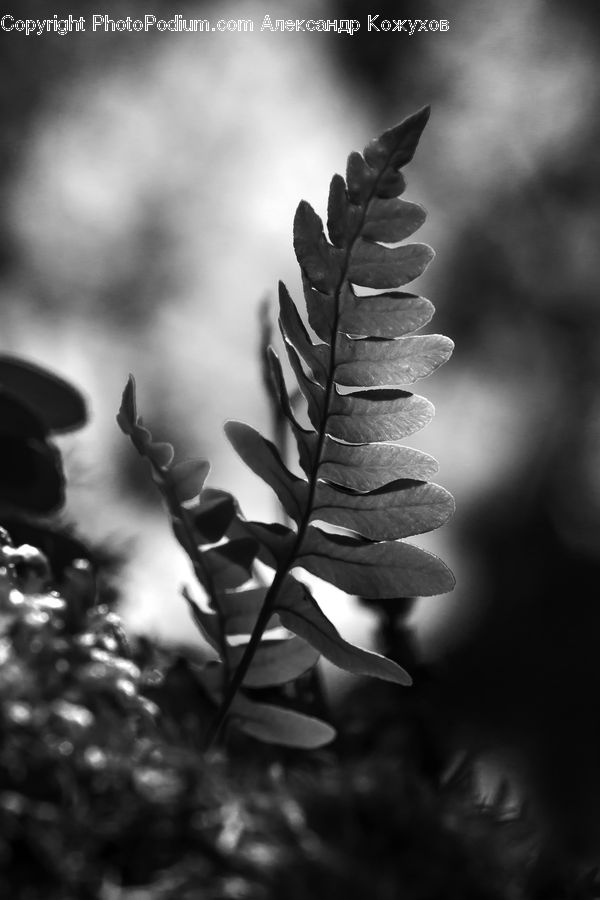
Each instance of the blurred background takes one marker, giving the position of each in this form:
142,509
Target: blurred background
147,191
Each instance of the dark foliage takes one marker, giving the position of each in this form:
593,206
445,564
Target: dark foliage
102,786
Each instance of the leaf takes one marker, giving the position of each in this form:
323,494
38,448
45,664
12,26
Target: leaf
365,467
306,439
384,415
396,146
276,661
387,315
375,266
389,184
263,458
300,613
240,609
127,416
375,571
392,220
321,310
313,392
229,564
317,259
275,541
58,404
161,454
186,478
341,214
400,509
369,362
214,515
361,179
206,623
277,725
284,399
392,150
315,356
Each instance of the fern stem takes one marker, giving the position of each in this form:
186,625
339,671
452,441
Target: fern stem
244,664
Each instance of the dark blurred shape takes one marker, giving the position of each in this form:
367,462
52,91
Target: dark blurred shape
102,787
526,680
57,403
33,403
522,302
31,475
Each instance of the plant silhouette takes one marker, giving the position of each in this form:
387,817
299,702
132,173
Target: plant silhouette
362,490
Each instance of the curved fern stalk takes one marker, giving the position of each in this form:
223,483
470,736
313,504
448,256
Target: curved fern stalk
357,476
179,484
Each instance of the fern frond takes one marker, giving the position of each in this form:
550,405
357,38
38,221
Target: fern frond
223,550
357,476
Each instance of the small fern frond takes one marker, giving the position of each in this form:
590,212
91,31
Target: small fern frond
223,551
